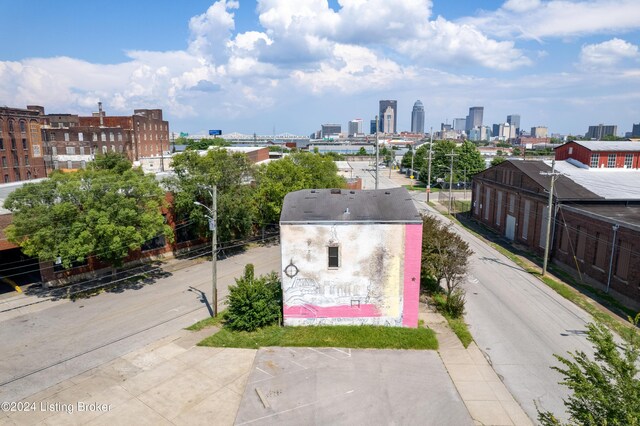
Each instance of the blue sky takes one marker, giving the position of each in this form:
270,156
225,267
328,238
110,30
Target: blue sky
291,65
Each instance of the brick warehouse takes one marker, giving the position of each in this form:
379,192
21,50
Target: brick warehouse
72,141
511,198
21,150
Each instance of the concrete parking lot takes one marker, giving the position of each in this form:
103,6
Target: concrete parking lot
293,386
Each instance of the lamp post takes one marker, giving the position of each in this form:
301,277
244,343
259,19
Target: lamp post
213,217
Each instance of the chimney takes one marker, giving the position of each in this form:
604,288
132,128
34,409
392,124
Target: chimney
100,114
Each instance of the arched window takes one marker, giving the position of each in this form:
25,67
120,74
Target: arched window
23,126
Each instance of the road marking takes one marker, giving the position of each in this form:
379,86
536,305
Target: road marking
260,369
348,354
322,353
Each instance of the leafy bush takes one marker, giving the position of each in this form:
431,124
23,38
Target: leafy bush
455,303
254,302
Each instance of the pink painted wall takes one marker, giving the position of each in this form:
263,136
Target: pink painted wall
341,311
412,260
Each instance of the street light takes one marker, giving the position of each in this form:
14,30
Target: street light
213,228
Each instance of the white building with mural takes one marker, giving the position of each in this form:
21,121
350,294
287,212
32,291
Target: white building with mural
350,257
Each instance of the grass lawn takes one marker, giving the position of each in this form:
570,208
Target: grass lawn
371,337
459,327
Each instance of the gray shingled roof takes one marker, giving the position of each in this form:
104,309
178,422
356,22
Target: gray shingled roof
330,205
609,145
564,188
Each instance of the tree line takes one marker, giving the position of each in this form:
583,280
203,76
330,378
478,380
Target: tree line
112,209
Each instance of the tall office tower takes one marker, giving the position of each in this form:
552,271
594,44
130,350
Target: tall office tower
372,127
539,132
514,120
474,119
635,132
417,118
331,130
459,124
600,131
382,123
355,127
388,121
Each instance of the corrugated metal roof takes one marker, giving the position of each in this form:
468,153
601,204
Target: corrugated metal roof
610,184
344,205
627,146
626,215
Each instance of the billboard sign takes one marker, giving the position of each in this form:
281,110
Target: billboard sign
215,132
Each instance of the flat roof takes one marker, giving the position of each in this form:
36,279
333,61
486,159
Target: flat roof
629,146
623,215
608,183
393,205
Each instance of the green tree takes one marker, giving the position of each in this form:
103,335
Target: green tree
444,261
605,390
497,160
421,158
468,160
205,143
231,174
440,162
362,151
105,211
321,169
516,152
254,302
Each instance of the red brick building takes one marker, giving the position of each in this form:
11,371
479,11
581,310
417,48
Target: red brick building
21,151
595,218
601,154
72,140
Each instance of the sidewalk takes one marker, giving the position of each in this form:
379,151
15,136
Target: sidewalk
171,381
486,397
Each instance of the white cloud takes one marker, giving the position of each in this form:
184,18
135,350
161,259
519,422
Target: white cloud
608,53
448,42
536,20
521,5
211,30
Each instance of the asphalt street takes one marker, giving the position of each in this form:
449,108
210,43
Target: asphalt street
53,341
516,320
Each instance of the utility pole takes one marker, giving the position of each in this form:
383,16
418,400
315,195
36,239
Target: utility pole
413,154
451,178
213,227
554,175
429,172
377,152
613,250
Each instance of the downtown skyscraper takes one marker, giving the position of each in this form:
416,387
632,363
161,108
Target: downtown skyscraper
388,117
417,118
474,119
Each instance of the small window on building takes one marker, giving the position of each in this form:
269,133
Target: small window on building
622,261
70,150
628,160
103,137
53,136
26,160
119,137
10,125
334,256
6,178
113,148
1,144
94,137
80,136
595,159
23,127
4,162
581,242
69,164
66,136
54,150
112,137
104,149
82,150
570,150
611,160
24,143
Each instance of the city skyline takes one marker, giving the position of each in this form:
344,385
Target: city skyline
268,67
